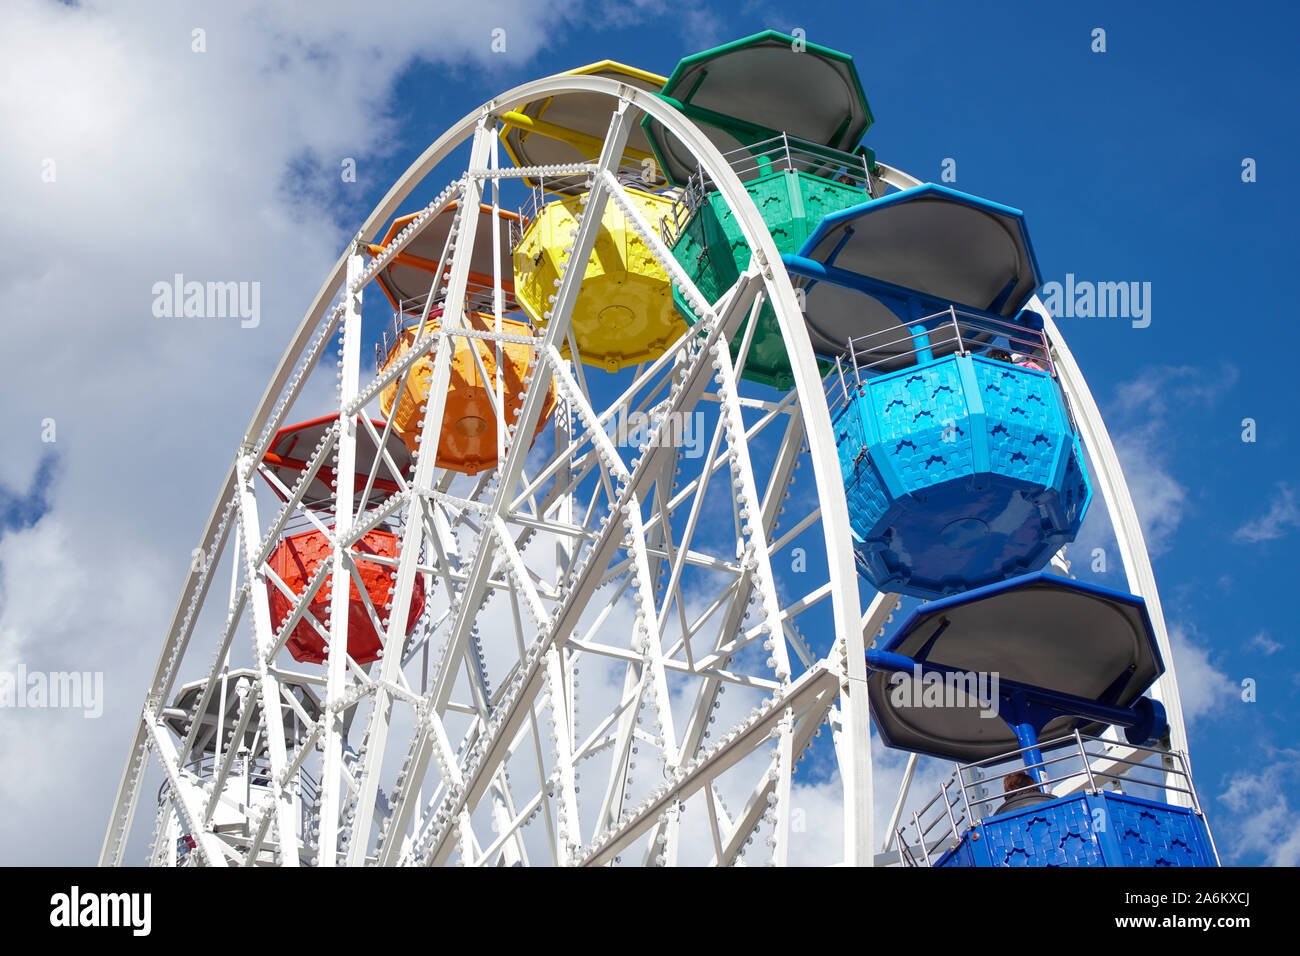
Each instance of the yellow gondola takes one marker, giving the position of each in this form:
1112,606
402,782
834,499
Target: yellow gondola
624,315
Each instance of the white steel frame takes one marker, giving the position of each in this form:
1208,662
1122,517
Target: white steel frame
454,796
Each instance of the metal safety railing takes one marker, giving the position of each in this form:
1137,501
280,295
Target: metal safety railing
965,797
530,210
479,297
952,331
778,154
558,188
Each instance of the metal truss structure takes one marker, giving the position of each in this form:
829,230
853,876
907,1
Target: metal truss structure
611,664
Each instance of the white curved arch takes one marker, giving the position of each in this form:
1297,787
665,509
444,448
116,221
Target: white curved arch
847,660
1109,476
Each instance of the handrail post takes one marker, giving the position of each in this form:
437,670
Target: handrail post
952,820
1182,762
961,349
961,783
1087,767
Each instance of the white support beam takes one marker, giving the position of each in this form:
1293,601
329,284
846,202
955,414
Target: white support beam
813,692
269,685
186,792
511,471
336,655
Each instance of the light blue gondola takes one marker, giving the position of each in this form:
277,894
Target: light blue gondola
961,467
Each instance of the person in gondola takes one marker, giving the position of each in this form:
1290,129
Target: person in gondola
1021,791
1021,360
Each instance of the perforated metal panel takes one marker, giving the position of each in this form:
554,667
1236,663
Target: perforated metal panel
960,472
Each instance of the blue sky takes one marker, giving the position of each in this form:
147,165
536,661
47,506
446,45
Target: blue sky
1127,164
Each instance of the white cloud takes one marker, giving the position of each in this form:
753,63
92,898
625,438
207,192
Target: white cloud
1150,414
1158,496
166,161
1202,687
1283,514
1174,388
1266,644
1262,819
820,807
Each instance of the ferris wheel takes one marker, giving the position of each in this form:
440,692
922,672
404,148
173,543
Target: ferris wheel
621,541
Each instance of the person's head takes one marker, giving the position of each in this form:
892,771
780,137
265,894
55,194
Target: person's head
1017,781
999,356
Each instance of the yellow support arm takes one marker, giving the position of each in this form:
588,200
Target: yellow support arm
589,146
